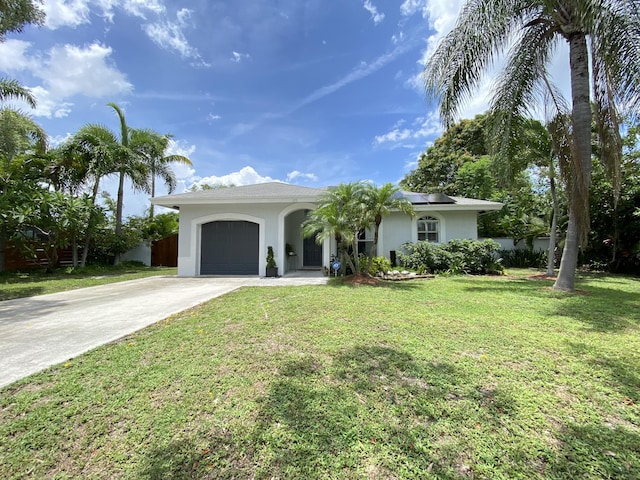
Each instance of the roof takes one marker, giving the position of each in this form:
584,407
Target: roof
270,192
279,192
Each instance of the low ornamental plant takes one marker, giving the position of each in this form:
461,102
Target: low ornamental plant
475,257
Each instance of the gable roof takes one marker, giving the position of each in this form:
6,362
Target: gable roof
279,192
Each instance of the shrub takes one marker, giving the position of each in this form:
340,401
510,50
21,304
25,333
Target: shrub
379,264
524,258
457,256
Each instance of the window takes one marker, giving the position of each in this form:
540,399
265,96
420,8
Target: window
429,229
365,242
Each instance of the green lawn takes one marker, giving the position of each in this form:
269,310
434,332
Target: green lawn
454,377
30,283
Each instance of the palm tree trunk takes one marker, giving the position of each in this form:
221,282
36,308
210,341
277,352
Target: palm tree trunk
119,207
581,176
153,192
554,223
87,240
374,247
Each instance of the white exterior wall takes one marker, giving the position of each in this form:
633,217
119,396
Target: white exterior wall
398,228
279,223
540,243
271,219
140,253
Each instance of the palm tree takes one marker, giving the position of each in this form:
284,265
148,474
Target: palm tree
152,146
11,89
131,166
603,37
91,154
341,214
380,202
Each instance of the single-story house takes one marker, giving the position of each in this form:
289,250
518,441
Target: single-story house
227,231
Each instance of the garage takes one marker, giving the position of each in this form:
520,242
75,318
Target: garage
229,248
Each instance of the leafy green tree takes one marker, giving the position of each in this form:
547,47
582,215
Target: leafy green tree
604,40
459,163
15,14
21,140
462,143
378,203
615,237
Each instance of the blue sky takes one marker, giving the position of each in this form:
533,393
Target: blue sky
311,92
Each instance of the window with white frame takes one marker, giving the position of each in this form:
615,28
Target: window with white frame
429,229
365,241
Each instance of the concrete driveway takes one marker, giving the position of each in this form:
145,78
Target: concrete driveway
38,332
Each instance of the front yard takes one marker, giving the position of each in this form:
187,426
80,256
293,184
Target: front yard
454,377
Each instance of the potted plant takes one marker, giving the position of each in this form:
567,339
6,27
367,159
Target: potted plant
272,268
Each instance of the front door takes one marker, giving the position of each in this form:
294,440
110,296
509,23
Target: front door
312,253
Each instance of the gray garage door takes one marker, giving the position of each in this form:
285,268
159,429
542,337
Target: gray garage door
229,248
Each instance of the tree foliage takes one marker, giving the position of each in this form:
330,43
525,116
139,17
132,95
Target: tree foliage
15,14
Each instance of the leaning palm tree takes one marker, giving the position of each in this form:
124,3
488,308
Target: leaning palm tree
152,146
380,202
603,38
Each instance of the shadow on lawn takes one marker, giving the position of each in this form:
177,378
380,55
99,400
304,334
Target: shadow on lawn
603,309
26,291
597,451
622,372
357,417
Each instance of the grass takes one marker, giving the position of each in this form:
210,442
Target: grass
450,378
37,282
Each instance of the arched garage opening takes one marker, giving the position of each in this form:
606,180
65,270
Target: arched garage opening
230,247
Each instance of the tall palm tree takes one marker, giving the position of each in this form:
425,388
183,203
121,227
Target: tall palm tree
152,146
603,37
131,166
380,202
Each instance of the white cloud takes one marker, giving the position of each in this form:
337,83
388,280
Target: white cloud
14,56
213,117
48,105
395,135
238,57
169,35
72,70
71,13
373,10
421,128
65,71
245,176
304,176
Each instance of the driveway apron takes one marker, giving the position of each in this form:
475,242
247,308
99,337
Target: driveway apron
38,332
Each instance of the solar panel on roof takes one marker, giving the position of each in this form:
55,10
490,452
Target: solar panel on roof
428,198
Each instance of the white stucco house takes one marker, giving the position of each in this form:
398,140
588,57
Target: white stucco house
227,231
